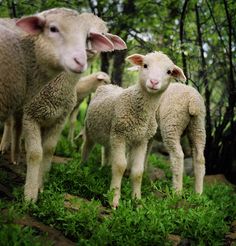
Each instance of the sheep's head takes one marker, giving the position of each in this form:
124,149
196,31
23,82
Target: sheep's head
103,78
156,71
63,36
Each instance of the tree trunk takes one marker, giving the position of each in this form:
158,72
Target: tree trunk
203,75
12,9
118,66
181,36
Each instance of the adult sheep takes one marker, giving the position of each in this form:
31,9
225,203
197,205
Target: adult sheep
123,120
34,51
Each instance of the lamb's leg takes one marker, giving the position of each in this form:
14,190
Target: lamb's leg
72,124
16,138
197,139
137,156
6,138
86,147
33,149
177,160
119,164
105,153
49,142
149,149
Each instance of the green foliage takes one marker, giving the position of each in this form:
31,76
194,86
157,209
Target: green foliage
13,234
89,220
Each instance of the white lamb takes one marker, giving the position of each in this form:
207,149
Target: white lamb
181,111
123,120
84,87
45,115
36,49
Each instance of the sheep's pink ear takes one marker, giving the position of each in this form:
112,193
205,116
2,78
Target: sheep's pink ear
119,43
178,73
135,59
100,43
31,24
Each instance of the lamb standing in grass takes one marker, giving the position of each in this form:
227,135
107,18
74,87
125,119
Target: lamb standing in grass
45,115
34,51
123,120
181,111
84,87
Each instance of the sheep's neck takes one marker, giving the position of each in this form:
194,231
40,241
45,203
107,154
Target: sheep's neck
147,99
37,75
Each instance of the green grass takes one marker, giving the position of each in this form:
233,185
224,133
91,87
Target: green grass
204,220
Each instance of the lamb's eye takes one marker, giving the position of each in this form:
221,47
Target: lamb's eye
54,29
168,72
145,65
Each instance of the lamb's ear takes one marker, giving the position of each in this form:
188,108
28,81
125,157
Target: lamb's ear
100,43
31,24
101,76
135,59
178,73
119,43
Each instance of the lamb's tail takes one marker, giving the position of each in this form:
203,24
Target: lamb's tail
196,106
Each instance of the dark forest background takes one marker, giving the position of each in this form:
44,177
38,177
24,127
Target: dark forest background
200,36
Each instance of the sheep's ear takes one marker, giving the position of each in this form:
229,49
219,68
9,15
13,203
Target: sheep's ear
101,76
119,43
178,73
135,59
100,43
31,24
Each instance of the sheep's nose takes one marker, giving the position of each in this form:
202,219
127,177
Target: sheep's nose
81,65
154,81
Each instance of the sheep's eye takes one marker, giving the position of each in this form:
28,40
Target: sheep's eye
168,72
54,29
145,65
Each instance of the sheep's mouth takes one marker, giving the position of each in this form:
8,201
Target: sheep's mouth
152,88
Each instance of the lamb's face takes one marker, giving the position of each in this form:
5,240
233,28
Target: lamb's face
156,71
63,37
103,79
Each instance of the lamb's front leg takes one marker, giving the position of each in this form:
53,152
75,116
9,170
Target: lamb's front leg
119,164
6,137
33,149
49,141
136,158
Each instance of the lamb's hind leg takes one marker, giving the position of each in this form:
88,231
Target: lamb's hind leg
177,161
33,149
16,132
49,141
72,124
86,147
197,139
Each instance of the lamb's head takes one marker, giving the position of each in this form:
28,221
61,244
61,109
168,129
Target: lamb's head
62,36
156,71
102,78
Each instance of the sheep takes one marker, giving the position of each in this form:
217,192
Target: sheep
123,120
36,49
44,117
181,110
84,87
